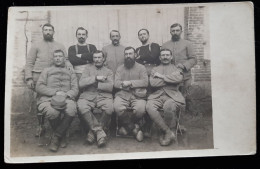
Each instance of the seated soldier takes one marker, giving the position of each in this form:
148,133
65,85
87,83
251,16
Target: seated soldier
96,84
57,81
166,78
131,79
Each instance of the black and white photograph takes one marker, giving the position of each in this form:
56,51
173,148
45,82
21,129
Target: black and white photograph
112,82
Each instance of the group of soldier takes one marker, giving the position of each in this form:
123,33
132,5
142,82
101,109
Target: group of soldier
146,80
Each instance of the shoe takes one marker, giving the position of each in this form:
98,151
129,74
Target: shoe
55,143
136,129
90,137
168,138
139,136
102,142
40,131
122,131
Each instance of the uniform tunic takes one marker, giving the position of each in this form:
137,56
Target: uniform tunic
55,79
135,95
114,56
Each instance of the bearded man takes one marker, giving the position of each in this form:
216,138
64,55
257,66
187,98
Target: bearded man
131,80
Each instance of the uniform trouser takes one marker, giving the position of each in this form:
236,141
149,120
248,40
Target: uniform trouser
53,115
170,108
86,112
137,105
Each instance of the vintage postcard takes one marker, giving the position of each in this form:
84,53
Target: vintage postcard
111,82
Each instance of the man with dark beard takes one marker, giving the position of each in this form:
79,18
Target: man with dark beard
40,57
166,78
148,53
183,54
82,53
114,53
131,79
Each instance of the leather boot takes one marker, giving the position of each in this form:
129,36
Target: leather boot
55,143
54,123
64,125
168,138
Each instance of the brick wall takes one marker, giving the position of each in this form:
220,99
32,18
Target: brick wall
195,30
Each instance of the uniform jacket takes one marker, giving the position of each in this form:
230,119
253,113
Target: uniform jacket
114,56
55,79
183,53
92,88
168,85
40,56
137,75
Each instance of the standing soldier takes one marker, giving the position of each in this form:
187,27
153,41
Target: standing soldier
82,53
114,53
147,54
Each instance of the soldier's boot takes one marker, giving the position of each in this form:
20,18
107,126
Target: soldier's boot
60,132
40,129
90,139
95,128
167,135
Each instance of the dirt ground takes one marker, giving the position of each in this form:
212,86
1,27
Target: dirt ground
199,135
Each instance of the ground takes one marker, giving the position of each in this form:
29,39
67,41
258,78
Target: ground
199,135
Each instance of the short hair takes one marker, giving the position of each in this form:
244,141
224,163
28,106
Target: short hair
175,25
143,30
165,50
115,31
128,48
59,51
48,25
81,28
99,51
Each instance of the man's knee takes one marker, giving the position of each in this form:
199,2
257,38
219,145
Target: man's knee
83,107
119,108
109,110
46,109
170,107
139,111
151,108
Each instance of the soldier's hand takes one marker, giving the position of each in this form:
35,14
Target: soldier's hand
126,83
78,55
137,57
101,78
180,66
30,84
